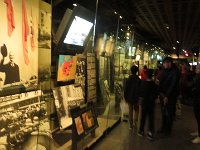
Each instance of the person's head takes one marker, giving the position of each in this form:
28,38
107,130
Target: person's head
149,73
11,56
167,62
134,69
145,67
197,69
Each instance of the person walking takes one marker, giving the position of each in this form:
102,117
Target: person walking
131,90
196,101
148,93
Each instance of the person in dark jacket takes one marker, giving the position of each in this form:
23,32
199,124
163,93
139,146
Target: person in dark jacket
148,93
169,91
131,95
196,101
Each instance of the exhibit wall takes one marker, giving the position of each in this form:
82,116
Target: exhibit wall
19,33
44,45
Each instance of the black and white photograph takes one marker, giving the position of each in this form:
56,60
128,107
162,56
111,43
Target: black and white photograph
19,46
67,97
22,116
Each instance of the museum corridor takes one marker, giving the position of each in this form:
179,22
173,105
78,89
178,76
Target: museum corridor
121,138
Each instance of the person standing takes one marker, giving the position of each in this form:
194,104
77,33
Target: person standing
169,90
196,101
131,90
11,69
148,93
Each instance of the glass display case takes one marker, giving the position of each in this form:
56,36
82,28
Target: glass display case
58,92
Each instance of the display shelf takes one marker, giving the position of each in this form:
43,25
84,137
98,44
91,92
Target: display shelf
88,141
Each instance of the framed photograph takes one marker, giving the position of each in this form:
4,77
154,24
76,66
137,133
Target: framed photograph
89,119
84,120
65,98
79,125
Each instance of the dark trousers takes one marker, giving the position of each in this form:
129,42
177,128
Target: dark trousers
196,107
147,111
135,108
168,114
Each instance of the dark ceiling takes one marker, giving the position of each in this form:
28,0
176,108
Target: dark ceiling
160,22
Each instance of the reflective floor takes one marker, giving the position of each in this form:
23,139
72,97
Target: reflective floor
121,138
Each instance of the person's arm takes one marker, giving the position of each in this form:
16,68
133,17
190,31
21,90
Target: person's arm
127,88
2,65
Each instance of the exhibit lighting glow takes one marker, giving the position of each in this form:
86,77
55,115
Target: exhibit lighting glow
158,57
131,51
119,47
115,12
174,47
194,63
120,17
177,42
137,57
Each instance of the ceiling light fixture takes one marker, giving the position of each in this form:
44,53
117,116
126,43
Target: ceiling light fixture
166,26
75,4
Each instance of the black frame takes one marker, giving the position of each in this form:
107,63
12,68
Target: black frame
78,112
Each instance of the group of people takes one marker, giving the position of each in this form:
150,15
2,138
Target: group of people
142,92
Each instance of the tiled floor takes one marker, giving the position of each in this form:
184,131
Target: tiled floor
121,138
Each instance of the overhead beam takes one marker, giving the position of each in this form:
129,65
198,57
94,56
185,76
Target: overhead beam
162,22
170,18
56,2
185,39
146,20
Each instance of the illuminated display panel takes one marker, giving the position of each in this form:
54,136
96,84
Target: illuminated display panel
78,31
